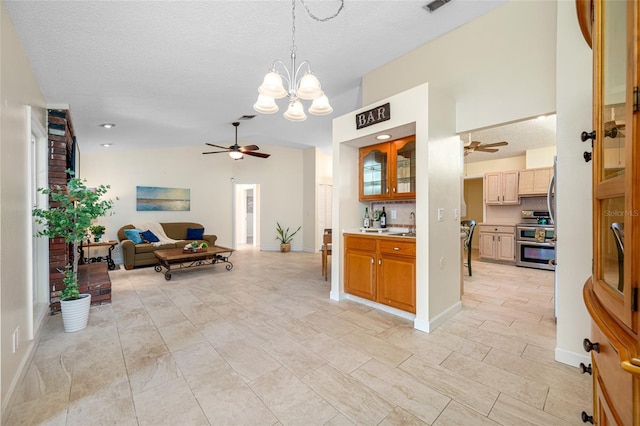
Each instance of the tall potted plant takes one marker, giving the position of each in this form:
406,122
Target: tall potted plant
71,210
285,238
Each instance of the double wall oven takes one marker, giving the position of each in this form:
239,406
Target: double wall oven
535,240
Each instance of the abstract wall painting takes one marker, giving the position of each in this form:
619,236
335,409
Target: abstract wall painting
154,198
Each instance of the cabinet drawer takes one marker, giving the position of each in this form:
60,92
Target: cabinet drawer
498,228
359,243
616,383
397,247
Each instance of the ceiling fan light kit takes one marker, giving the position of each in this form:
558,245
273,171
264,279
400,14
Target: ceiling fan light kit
236,151
306,87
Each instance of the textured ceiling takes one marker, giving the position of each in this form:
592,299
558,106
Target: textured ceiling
176,73
521,136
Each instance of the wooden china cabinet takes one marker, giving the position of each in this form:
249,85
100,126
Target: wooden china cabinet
611,28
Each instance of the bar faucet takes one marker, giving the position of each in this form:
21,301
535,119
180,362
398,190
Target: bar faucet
412,216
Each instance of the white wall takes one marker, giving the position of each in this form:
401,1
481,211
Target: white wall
573,186
439,169
502,67
19,89
499,68
540,157
210,179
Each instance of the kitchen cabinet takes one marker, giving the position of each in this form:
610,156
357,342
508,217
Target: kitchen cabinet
501,188
497,242
381,269
610,293
388,170
360,267
534,182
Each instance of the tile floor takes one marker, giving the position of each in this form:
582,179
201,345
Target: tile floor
264,345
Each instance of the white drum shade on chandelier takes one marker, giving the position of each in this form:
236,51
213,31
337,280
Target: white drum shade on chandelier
306,87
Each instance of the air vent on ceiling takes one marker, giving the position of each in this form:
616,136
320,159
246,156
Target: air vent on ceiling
436,4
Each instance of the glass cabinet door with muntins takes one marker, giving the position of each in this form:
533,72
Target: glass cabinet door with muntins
613,156
374,182
405,162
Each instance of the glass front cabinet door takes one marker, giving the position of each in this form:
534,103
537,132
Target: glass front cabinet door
388,170
611,293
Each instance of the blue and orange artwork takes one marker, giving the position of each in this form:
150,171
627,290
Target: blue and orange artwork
154,198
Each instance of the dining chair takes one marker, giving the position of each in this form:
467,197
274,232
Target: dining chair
326,251
471,226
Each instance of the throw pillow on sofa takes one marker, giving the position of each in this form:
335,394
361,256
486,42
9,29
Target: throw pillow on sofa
195,233
149,237
134,235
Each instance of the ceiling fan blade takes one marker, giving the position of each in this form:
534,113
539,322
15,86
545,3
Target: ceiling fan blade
466,152
483,149
215,152
257,154
474,144
217,146
249,148
489,145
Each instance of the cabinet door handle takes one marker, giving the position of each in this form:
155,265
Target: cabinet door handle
630,368
372,260
379,261
396,248
589,346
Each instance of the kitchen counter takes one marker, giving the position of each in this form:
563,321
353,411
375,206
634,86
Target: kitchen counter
382,232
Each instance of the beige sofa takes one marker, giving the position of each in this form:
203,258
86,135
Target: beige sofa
142,254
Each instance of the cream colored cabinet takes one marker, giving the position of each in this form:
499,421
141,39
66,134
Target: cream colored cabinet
382,269
501,188
534,182
497,242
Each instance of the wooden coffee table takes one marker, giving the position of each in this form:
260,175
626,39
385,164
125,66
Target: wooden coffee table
187,259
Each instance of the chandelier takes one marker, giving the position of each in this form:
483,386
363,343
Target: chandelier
306,86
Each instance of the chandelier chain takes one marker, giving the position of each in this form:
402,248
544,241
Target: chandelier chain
323,19
293,26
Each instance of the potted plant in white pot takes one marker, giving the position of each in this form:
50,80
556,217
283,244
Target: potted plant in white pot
285,238
72,208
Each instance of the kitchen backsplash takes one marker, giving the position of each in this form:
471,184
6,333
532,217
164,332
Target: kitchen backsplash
402,208
513,214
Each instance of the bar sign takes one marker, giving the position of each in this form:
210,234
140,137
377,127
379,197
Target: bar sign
373,116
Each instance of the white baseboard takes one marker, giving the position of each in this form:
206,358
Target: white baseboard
381,307
572,358
438,320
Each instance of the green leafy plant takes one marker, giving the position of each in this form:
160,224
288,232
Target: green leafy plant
97,230
283,235
71,210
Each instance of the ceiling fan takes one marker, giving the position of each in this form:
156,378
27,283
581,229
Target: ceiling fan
236,151
482,147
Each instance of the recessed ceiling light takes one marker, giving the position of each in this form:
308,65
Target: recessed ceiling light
542,117
383,137
106,145
107,125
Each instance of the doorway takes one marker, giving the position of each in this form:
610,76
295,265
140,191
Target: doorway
247,215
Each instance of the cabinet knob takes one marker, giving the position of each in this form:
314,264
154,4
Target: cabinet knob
589,346
585,369
396,248
587,418
585,136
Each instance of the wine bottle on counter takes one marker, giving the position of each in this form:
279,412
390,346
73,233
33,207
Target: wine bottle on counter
383,218
367,219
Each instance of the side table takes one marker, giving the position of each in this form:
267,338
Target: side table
107,258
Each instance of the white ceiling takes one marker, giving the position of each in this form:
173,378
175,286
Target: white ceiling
177,73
